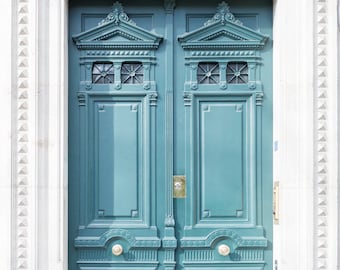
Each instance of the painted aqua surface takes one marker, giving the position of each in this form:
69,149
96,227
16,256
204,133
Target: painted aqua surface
156,92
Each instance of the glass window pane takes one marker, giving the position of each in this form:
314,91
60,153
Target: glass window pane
208,73
102,73
132,73
237,72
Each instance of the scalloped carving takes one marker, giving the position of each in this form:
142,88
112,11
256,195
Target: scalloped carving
107,237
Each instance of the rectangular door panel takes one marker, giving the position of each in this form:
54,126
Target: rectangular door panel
220,164
118,137
221,139
120,129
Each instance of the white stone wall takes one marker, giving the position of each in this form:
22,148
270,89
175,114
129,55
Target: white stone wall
33,117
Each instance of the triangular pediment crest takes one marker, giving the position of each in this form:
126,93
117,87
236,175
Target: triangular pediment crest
117,31
223,31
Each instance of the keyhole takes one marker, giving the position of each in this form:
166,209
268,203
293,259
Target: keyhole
178,185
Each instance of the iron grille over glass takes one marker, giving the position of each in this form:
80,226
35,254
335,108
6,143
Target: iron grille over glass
132,72
237,72
102,73
208,73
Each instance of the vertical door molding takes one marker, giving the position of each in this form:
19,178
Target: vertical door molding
305,133
52,115
8,77
169,241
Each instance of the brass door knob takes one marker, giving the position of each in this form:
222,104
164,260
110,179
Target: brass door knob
223,250
117,250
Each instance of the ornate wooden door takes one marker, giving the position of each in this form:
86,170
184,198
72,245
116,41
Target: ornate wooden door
170,131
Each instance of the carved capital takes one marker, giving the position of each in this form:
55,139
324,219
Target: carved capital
187,99
259,98
153,98
81,99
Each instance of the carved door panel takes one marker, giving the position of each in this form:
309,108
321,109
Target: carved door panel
170,136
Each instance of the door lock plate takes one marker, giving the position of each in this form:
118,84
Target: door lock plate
179,186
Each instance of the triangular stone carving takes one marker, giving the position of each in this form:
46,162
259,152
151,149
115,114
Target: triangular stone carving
223,31
117,31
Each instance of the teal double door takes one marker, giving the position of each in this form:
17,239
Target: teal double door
170,135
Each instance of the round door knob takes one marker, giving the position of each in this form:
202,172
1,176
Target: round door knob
117,250
223,250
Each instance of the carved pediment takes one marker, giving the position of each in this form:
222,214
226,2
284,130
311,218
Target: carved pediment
223,31
117,31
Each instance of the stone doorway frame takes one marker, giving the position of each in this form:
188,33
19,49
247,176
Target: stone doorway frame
33,116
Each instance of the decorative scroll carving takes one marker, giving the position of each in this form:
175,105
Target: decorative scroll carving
223,15
117,15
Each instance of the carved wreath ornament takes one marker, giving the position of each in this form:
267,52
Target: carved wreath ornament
117,15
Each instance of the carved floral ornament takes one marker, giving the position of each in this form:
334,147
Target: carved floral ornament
223,15
116,15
